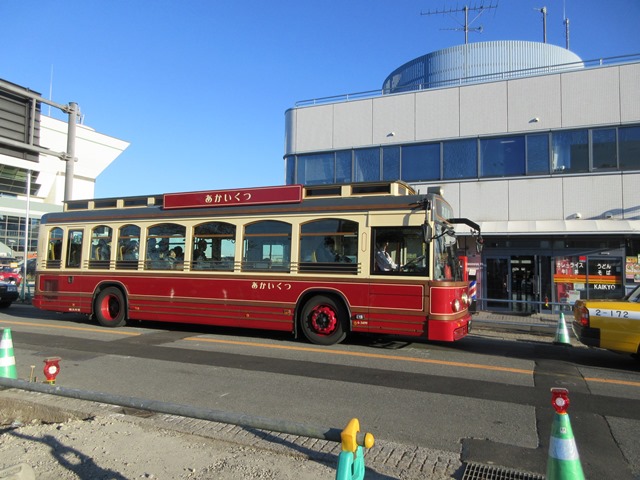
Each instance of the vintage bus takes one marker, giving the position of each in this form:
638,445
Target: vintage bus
306,260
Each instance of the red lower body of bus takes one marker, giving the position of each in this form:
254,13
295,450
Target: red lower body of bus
431,310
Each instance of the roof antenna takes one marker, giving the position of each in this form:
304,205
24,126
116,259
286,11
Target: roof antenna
566,24
466,9
543,11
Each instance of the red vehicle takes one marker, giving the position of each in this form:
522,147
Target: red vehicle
10,275
323,261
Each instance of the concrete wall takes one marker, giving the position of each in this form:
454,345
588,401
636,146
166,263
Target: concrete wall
565,100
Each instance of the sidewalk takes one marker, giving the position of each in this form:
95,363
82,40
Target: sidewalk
540,323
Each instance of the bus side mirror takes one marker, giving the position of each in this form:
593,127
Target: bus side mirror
427,233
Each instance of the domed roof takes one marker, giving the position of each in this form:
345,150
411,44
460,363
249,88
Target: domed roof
480,62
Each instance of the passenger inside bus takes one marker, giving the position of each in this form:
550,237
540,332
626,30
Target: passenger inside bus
199,254
152,249
130,251
101,251
327,251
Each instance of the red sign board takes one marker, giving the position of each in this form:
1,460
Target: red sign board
236,197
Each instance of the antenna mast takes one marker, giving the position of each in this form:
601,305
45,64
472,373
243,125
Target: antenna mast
543,11
466,9
566,24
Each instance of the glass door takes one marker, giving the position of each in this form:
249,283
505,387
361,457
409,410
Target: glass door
498,282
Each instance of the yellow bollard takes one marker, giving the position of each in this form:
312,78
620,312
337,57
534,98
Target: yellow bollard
351,459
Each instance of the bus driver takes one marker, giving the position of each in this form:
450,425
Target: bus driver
383,260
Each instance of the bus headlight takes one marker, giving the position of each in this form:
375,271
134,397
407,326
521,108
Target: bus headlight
455,305
465,299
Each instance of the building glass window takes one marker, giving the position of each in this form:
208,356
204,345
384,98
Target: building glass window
570,151
316,169
421,162
290,170
343,166
460,159
391,163
629,147
603,145
367,165
538,154
502,157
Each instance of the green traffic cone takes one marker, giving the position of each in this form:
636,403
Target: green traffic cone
7,360
564,461
562,334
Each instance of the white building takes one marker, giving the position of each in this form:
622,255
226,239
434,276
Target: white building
540,148
25,138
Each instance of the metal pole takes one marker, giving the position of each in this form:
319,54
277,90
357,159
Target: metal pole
27,223
544,23
466,25
71,151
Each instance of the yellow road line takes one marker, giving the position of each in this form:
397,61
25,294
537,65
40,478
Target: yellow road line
65,327
404,359
615,382
366,355
323,350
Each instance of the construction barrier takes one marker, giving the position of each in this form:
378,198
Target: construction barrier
564,461
351,459
7,358
562,334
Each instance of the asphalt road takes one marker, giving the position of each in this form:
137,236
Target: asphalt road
486,398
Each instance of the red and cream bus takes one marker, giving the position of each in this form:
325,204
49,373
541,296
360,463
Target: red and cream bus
291,258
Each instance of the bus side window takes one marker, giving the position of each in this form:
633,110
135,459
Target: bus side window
329,246
267,245
54,249
128,247
74,248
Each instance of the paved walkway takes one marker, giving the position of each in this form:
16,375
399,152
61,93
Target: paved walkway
532,322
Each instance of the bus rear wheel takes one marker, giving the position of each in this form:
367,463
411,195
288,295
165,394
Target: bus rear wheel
110,308
323,321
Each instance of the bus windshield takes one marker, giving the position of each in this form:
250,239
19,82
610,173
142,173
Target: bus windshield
446,263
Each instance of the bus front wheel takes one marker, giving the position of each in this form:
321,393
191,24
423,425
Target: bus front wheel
110,308
323,321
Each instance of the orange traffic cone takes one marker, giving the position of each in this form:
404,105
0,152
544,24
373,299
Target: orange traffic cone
564,461
7,360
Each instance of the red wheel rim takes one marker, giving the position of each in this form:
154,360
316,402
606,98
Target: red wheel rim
110,307
323,320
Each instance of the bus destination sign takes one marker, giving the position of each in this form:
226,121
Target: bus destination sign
235,197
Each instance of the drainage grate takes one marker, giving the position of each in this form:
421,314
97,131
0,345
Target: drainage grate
478,471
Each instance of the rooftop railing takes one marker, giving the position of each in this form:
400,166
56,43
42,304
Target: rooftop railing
526,72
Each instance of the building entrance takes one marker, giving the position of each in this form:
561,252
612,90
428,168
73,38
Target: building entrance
511,284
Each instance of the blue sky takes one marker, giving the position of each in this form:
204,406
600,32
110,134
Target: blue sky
200,87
